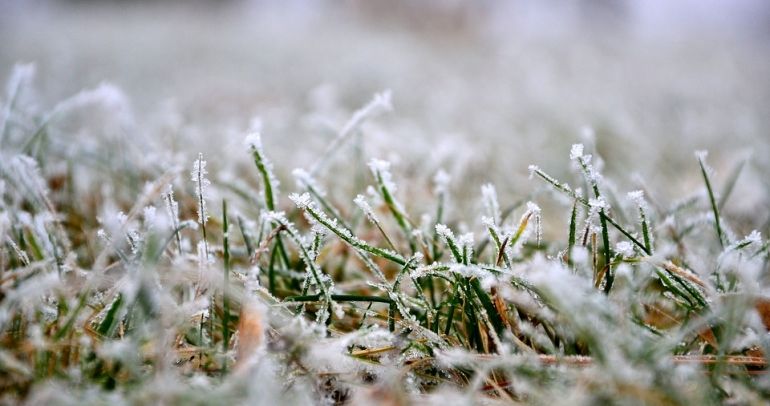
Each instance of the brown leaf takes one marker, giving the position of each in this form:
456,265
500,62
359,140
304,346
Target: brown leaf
660,318
251,333
763,308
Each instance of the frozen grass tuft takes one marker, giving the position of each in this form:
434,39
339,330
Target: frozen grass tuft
339,294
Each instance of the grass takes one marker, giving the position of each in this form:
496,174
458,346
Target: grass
306,302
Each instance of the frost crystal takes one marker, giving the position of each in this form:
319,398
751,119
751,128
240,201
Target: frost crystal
253,138
381,170
595,206
465,240
441,181
25,173
534,210
301,200
21,76
122,218
576,152
637,197
106,94
533,207
580,254
361,202
150,217
306,181
172,207
532,170
253,141
198,176
444,231
381,102
625,248
598,204
489,197
755,237
701,154
203,257
379,165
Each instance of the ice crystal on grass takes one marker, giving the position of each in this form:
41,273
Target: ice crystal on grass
172,211
270,189
576,152
441,182
625,248
381,102
534,210
301,200
106,93
21,76
637,197
253,140
381,170
306,181
20,80
362,204
489,198
198,177
754,237
577,155
444,231
533,169
24,171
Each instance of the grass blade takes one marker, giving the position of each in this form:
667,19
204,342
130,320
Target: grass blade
701,155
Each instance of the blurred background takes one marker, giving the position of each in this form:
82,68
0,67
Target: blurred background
481,89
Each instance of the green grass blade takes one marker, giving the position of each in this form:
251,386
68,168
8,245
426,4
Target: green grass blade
732,180
226,281
714,207
108,324
572,231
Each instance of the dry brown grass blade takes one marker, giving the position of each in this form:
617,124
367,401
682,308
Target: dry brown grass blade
730,359
657,317
660,318
669,266
595,260
372,351
600,276
501,254
500,306
762,305
263,247
740,360
251,334
582,360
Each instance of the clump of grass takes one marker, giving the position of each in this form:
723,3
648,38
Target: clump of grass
614,313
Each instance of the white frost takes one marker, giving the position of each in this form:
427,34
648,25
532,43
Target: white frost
576,152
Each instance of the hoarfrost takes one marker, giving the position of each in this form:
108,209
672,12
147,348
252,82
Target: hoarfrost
198,176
